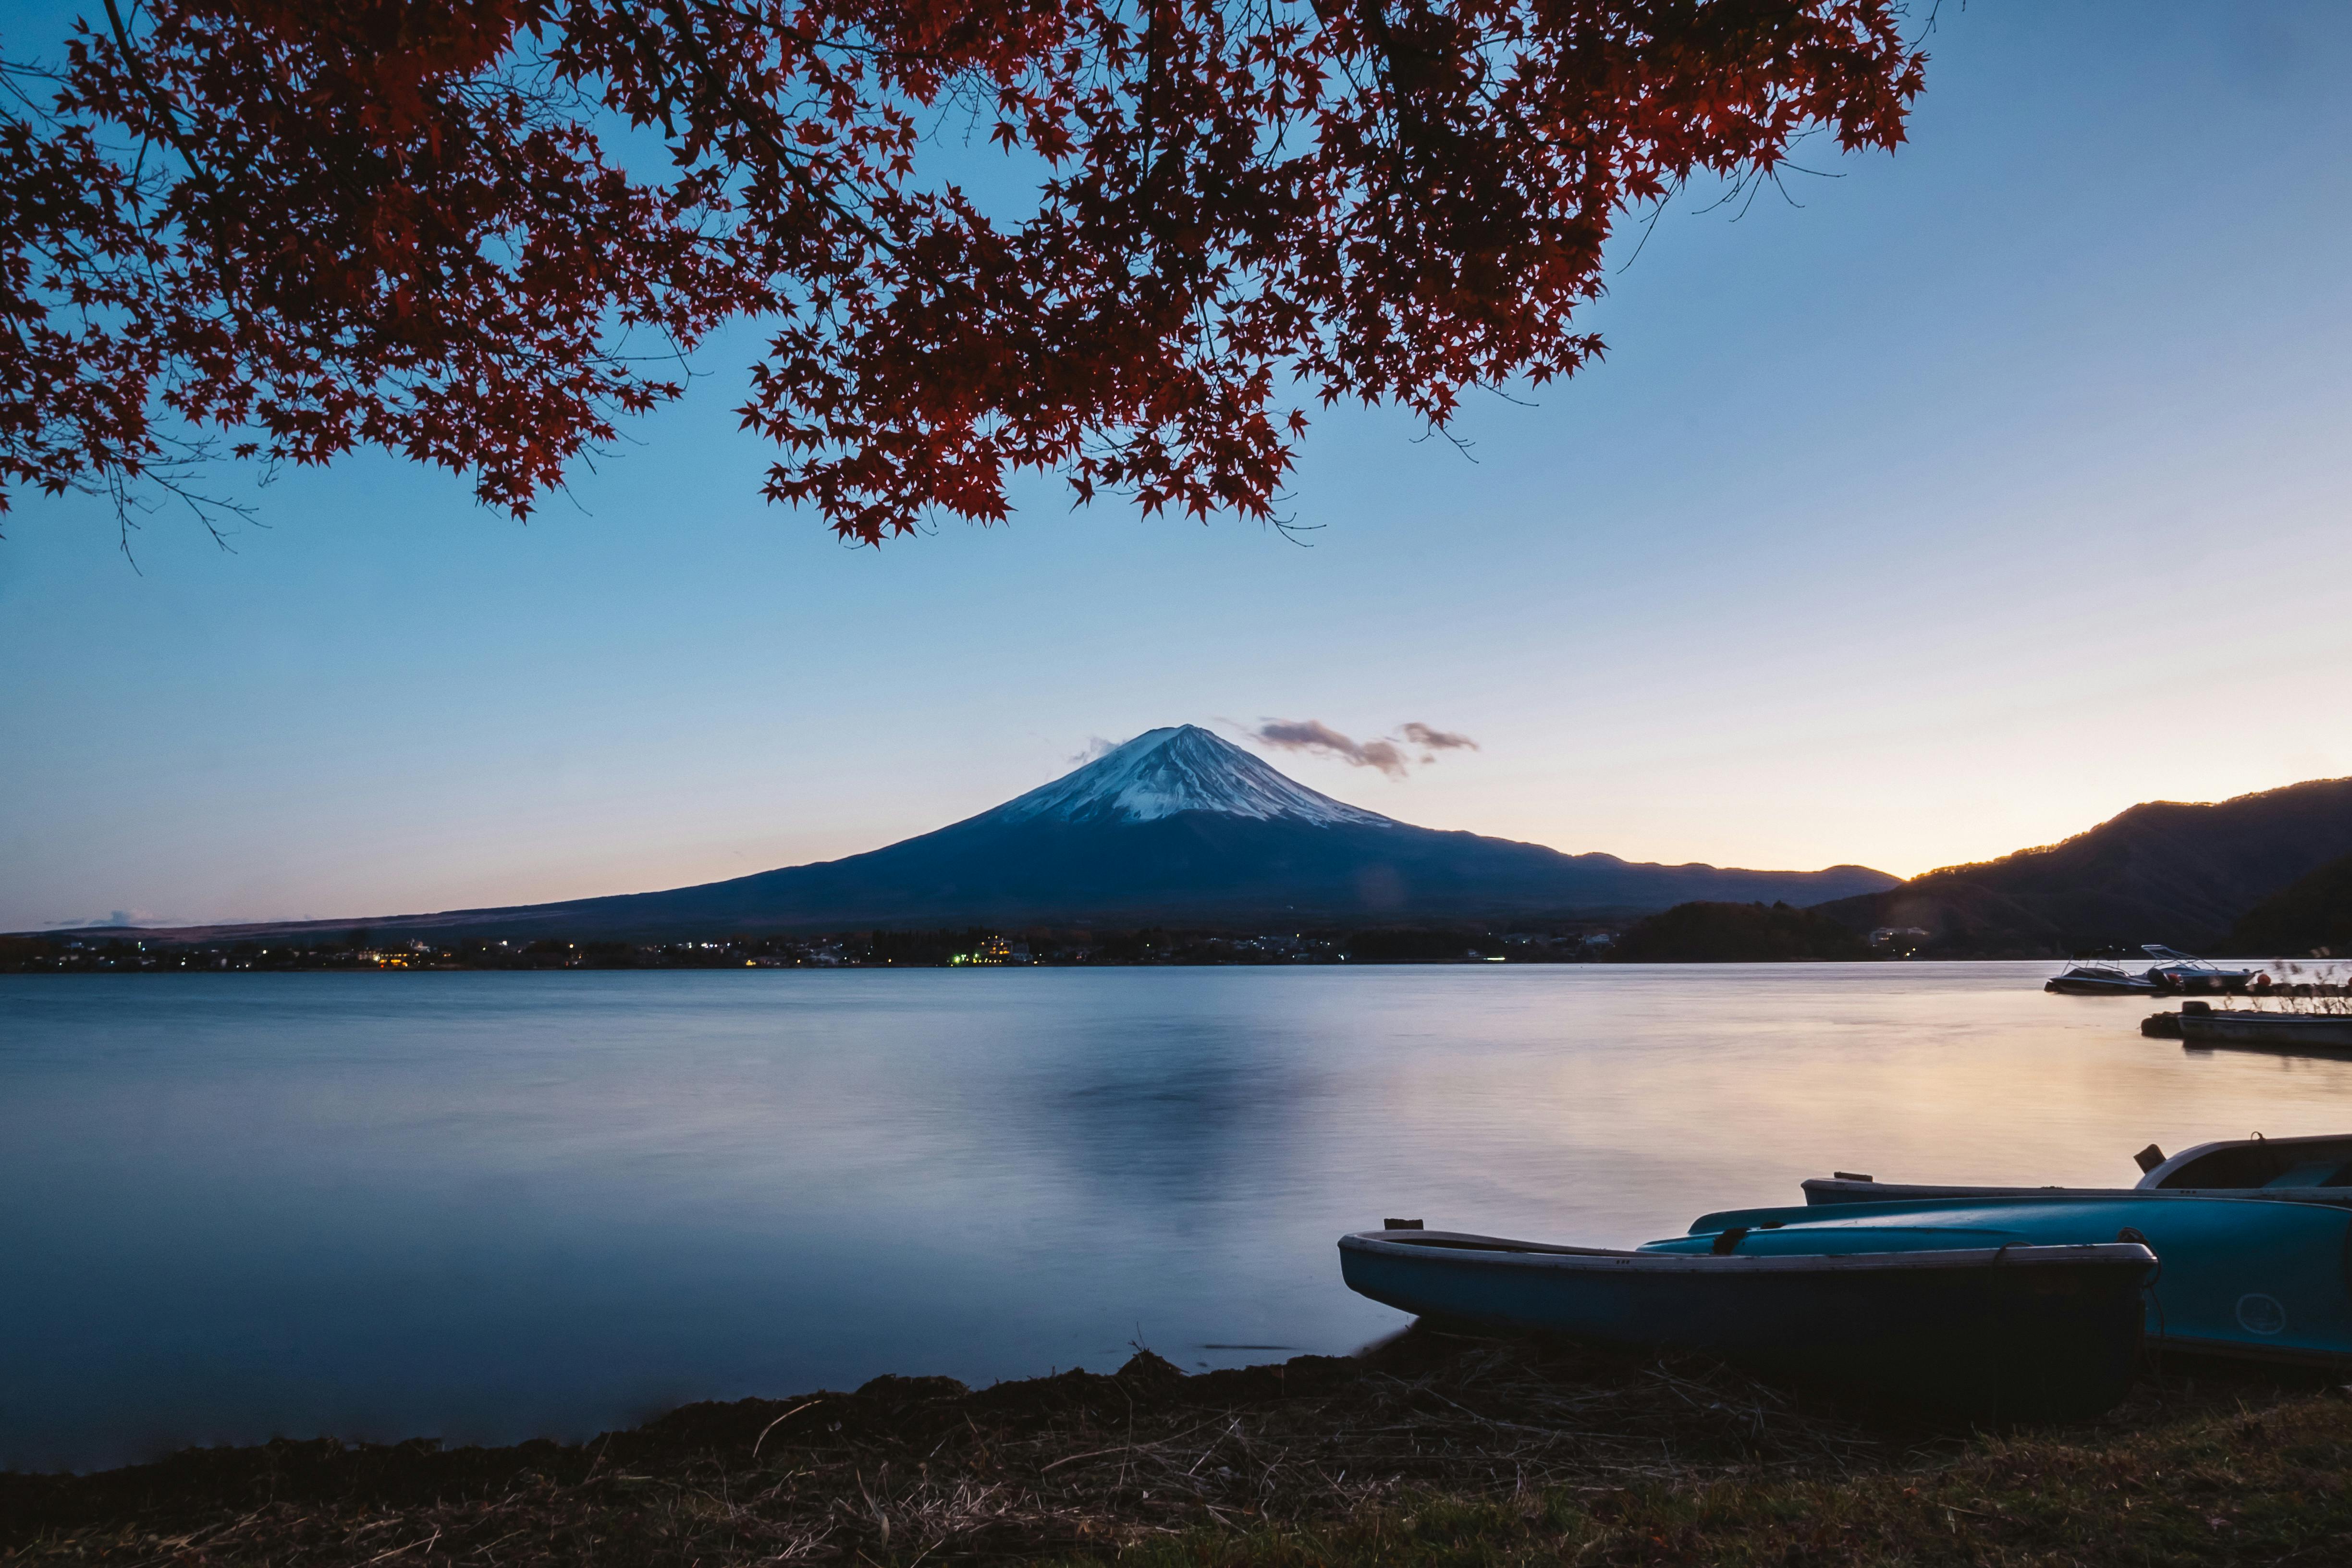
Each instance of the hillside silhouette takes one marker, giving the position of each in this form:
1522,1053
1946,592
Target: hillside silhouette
2162,871
2312,914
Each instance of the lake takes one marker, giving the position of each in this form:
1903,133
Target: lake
483,1206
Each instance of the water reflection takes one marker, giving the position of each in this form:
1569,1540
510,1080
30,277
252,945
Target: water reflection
1168,1113
481,1207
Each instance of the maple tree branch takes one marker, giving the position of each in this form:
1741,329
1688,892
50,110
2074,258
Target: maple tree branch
401,227
156,102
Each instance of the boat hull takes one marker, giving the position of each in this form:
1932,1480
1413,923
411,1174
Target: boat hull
2089,986
2191,983
2327,1034
1824,1190
2313,1169
2025,1333
2241,1277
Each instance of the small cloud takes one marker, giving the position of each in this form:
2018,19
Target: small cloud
1388,753
1096,746
1432,741
111,918
1312,735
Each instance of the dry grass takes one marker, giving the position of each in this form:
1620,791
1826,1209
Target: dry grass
1517,1449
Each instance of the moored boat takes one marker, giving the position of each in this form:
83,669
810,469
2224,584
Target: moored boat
2172,971
2270,1280
1986,1325
2313,1170
2178,971
2081,979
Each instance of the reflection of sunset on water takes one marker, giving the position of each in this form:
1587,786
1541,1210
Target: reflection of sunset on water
1663,1084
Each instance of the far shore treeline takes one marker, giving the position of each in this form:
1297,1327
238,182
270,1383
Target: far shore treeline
976,947
2265,876
1691,931
1695,932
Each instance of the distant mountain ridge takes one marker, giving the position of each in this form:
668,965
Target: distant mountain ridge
1177,827
2161,871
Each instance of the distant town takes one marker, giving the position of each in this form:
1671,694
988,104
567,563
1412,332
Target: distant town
1686,931
862,950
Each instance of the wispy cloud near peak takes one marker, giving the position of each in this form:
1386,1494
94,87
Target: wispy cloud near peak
1432,741
1392,754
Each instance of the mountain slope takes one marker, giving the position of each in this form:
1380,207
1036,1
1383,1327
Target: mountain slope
2311,913
1175,827
2162,871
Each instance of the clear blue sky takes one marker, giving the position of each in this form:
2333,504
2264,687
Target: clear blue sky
2001,486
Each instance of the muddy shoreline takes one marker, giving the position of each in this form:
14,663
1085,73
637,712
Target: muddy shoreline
1087,1465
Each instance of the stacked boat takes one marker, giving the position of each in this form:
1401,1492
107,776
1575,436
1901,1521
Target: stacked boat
1999,1303
2172,972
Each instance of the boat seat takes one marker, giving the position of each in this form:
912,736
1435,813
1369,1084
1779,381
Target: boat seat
2325,1174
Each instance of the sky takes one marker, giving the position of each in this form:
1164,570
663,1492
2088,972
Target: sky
1966,498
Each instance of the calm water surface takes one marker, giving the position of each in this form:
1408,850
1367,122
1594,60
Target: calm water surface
484,1207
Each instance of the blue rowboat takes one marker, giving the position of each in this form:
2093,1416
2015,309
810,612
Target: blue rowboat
2280,1170
2001,1330
2239,1277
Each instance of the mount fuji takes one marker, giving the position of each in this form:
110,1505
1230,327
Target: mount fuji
1177,827
1166,772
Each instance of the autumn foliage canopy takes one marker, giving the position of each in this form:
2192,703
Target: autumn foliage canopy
481,232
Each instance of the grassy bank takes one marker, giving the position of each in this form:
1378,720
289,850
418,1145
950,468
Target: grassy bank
1432,1450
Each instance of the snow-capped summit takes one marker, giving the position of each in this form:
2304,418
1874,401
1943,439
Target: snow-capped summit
1184,768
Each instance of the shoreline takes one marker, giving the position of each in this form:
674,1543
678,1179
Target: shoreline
2289,989
1427,1449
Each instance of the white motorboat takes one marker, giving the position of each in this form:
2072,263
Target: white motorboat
2088,979
2178,971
